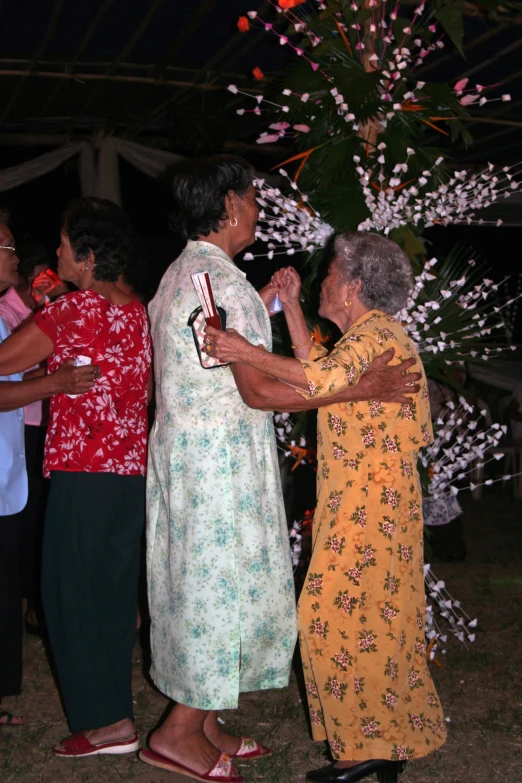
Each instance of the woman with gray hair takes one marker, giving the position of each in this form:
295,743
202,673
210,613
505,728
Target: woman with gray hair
361,612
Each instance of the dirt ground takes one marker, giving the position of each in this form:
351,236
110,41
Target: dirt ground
480,688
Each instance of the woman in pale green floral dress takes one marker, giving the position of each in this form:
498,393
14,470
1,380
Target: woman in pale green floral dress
220,578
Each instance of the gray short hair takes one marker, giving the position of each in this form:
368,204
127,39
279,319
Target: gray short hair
382,267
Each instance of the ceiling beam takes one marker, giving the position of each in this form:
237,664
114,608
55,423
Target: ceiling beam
494,121
203,71
102,10
158,72
487,139
68,66
159,142
100,77
160,108
184,36
182,95
472,122
51,27
127,49
506,147
486,63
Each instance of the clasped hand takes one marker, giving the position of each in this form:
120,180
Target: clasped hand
288,285
227,346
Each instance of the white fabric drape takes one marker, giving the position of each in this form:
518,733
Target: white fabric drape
14,176
107,172
99,175
97,166
87,170
154,163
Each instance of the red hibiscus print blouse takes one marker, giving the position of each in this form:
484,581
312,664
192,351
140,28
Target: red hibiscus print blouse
105,429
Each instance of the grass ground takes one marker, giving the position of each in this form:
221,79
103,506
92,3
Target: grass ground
480,688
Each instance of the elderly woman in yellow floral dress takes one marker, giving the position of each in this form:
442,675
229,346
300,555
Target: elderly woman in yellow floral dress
361,613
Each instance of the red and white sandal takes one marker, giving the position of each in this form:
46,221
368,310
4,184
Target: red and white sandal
77,745
223,770
251,749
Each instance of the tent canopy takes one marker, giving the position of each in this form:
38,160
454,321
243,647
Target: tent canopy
157,73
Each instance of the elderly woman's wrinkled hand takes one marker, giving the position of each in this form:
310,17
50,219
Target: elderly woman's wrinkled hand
288,285
389,383
227,346
75,380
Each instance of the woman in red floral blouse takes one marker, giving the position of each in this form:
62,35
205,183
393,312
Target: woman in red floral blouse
95,454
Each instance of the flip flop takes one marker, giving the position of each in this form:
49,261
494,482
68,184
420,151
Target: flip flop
78,745
9,718
251,749
223,770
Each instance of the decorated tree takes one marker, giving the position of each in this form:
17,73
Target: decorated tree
360,116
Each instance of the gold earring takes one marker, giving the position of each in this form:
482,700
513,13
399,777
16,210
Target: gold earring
347,302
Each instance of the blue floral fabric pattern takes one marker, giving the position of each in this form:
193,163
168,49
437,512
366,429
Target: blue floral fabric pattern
220,579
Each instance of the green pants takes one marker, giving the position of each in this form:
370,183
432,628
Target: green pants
91,558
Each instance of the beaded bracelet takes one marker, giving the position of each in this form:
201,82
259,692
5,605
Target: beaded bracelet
310,339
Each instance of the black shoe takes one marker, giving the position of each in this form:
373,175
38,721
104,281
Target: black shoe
387,772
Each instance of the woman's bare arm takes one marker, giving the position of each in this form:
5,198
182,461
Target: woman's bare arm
229,346
381,382
68,379
23,349
288,283
30,374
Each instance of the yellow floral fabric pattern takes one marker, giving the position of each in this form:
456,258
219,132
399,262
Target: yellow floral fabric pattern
361,611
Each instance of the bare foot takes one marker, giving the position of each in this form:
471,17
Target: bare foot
116,732
6,719
346,764
120,731
226,742
185,745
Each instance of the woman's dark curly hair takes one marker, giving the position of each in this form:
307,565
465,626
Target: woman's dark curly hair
200,188
98,226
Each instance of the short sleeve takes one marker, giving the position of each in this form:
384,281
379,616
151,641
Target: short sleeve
340,369
247,314
316,352
51,317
